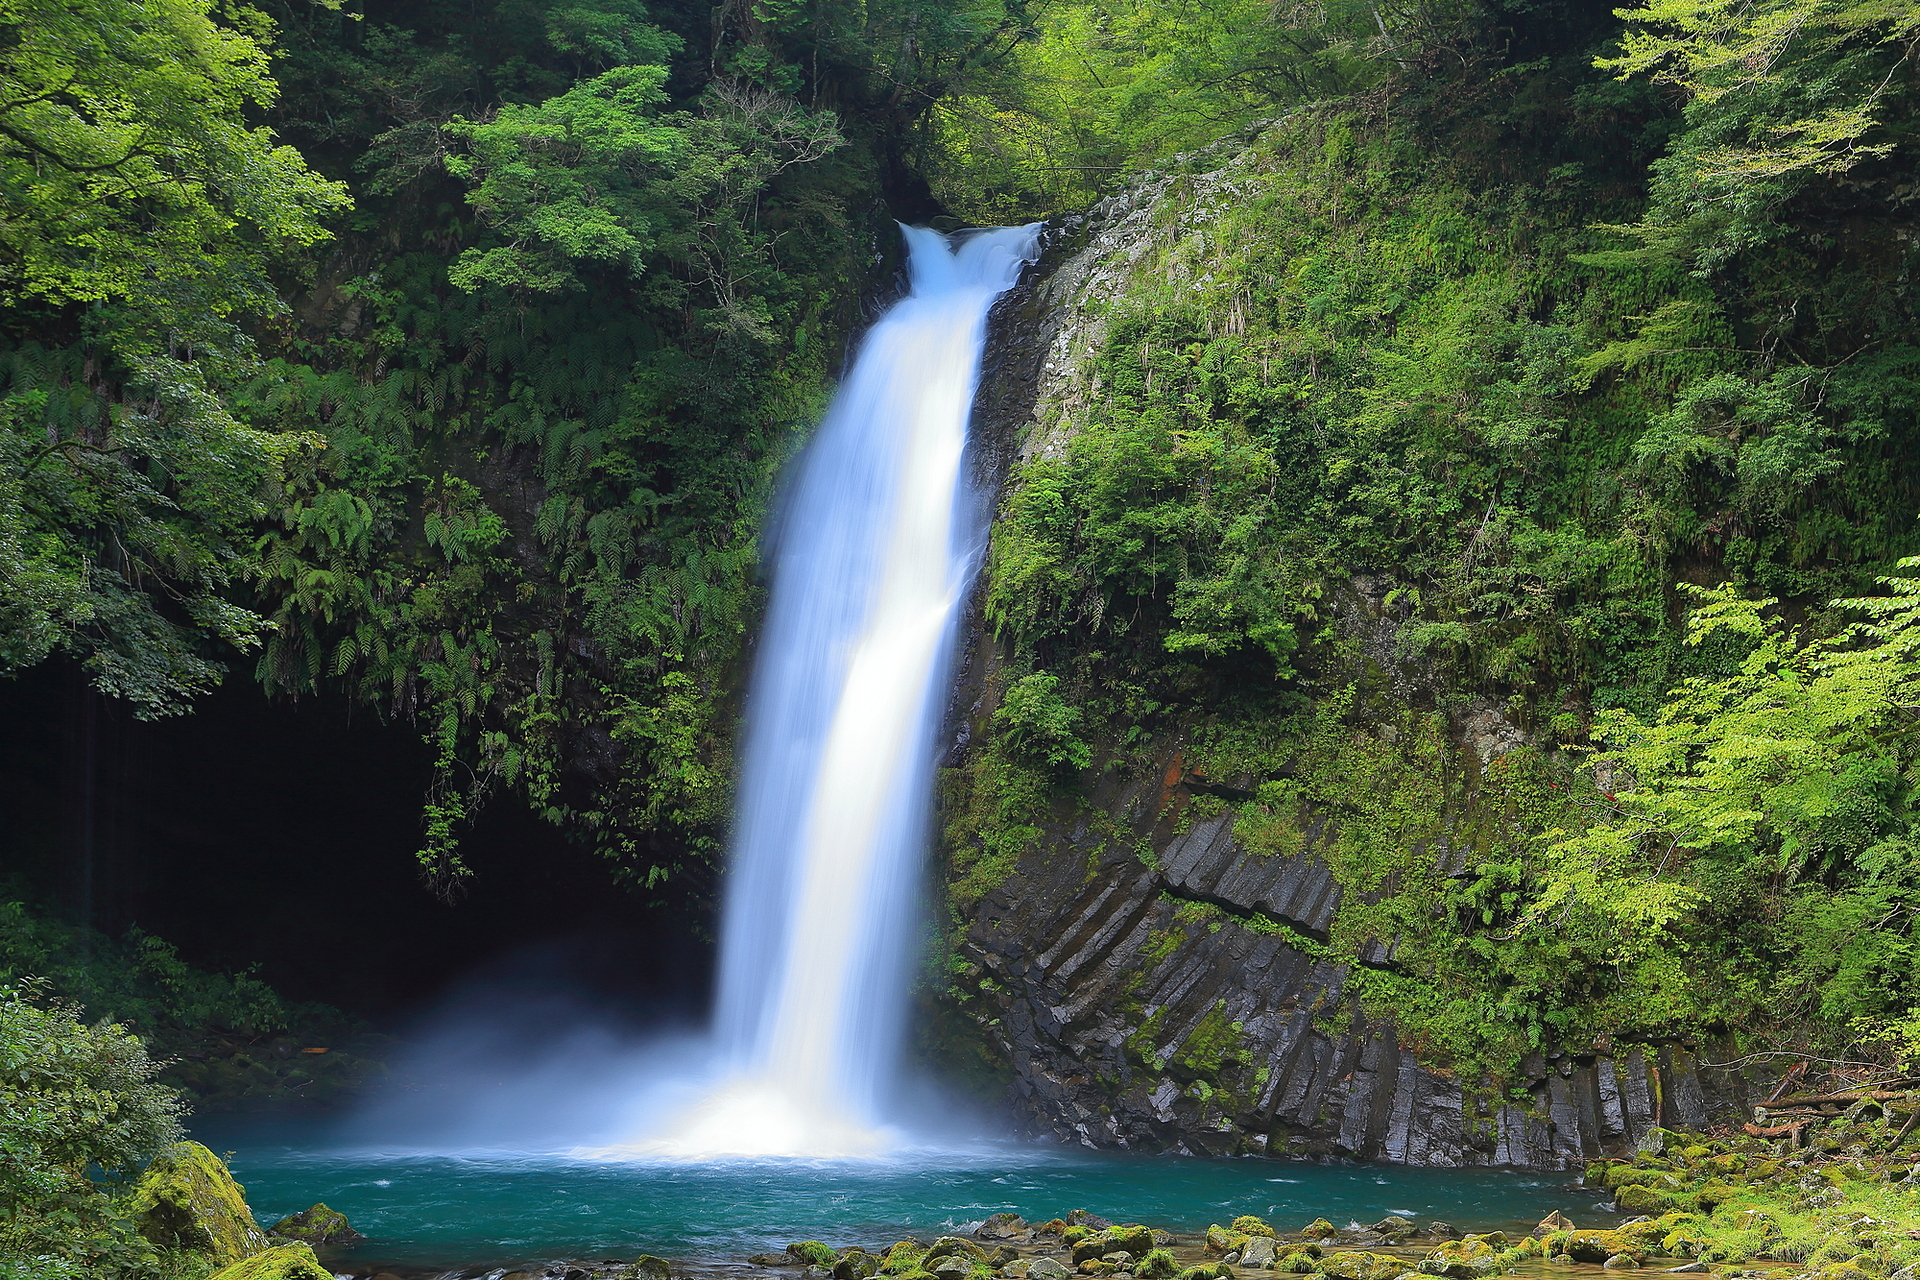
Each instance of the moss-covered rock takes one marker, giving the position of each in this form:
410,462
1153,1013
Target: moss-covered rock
1319,1229
1224,1240
856,1264
1467,1259
647,1267
1156,1264
1598,1246
318,1225
188,1200
812,1253
1247,1224
1357,1264
1131,1238
903,1257
953,1247
285,1262
1208,1271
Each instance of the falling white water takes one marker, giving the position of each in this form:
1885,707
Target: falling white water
877,544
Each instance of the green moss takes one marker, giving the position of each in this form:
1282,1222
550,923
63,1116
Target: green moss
186,1200
284,1262
318,1225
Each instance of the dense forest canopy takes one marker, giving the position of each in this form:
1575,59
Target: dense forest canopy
442,358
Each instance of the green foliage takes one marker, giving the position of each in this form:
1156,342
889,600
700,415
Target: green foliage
1037,721
1777,791
1096,90
1783,94
139,196
72,1096
1356,432
597,174
132,174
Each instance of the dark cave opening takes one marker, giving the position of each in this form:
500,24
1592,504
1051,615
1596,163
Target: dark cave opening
254,832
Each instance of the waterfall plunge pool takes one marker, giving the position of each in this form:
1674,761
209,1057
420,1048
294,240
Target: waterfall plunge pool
502,1209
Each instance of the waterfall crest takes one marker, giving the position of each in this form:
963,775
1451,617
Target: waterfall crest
875,549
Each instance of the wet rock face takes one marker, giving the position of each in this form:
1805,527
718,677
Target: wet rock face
1220,1043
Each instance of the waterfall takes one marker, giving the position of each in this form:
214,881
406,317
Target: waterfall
875,548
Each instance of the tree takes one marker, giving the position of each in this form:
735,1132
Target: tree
140,212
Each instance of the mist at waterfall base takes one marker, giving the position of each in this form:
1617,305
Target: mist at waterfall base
874,546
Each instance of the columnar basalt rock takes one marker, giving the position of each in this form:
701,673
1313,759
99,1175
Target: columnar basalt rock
1096,1022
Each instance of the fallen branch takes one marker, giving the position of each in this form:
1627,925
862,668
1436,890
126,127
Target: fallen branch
1877,1095
1778,1131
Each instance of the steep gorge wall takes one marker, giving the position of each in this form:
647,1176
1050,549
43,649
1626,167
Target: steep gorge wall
1153,981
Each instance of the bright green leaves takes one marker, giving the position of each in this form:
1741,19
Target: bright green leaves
1038,722
129,169
1788,769
132,183
1101,88
598,175
577,177
1783,92
71,1096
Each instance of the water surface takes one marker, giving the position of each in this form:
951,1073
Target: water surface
502,1208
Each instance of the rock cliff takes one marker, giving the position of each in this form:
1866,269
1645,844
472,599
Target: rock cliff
1149,979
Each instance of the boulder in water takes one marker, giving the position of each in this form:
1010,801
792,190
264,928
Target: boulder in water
1395,1227
1555,1221
1001,1226
285,1262
1082,1218
1357,1264
318,1225
1157,1264
771,1259
647,1267
1258,1253
187,1200
902,1258
1225,1240
856,1264
812,1253
1247,1224
1319,1229
1047,1269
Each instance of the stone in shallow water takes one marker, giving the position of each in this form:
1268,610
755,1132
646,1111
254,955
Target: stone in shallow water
318,1225
1001,1226
1046,1269
1258,1253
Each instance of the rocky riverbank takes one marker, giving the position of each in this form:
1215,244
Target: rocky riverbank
1817,1186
